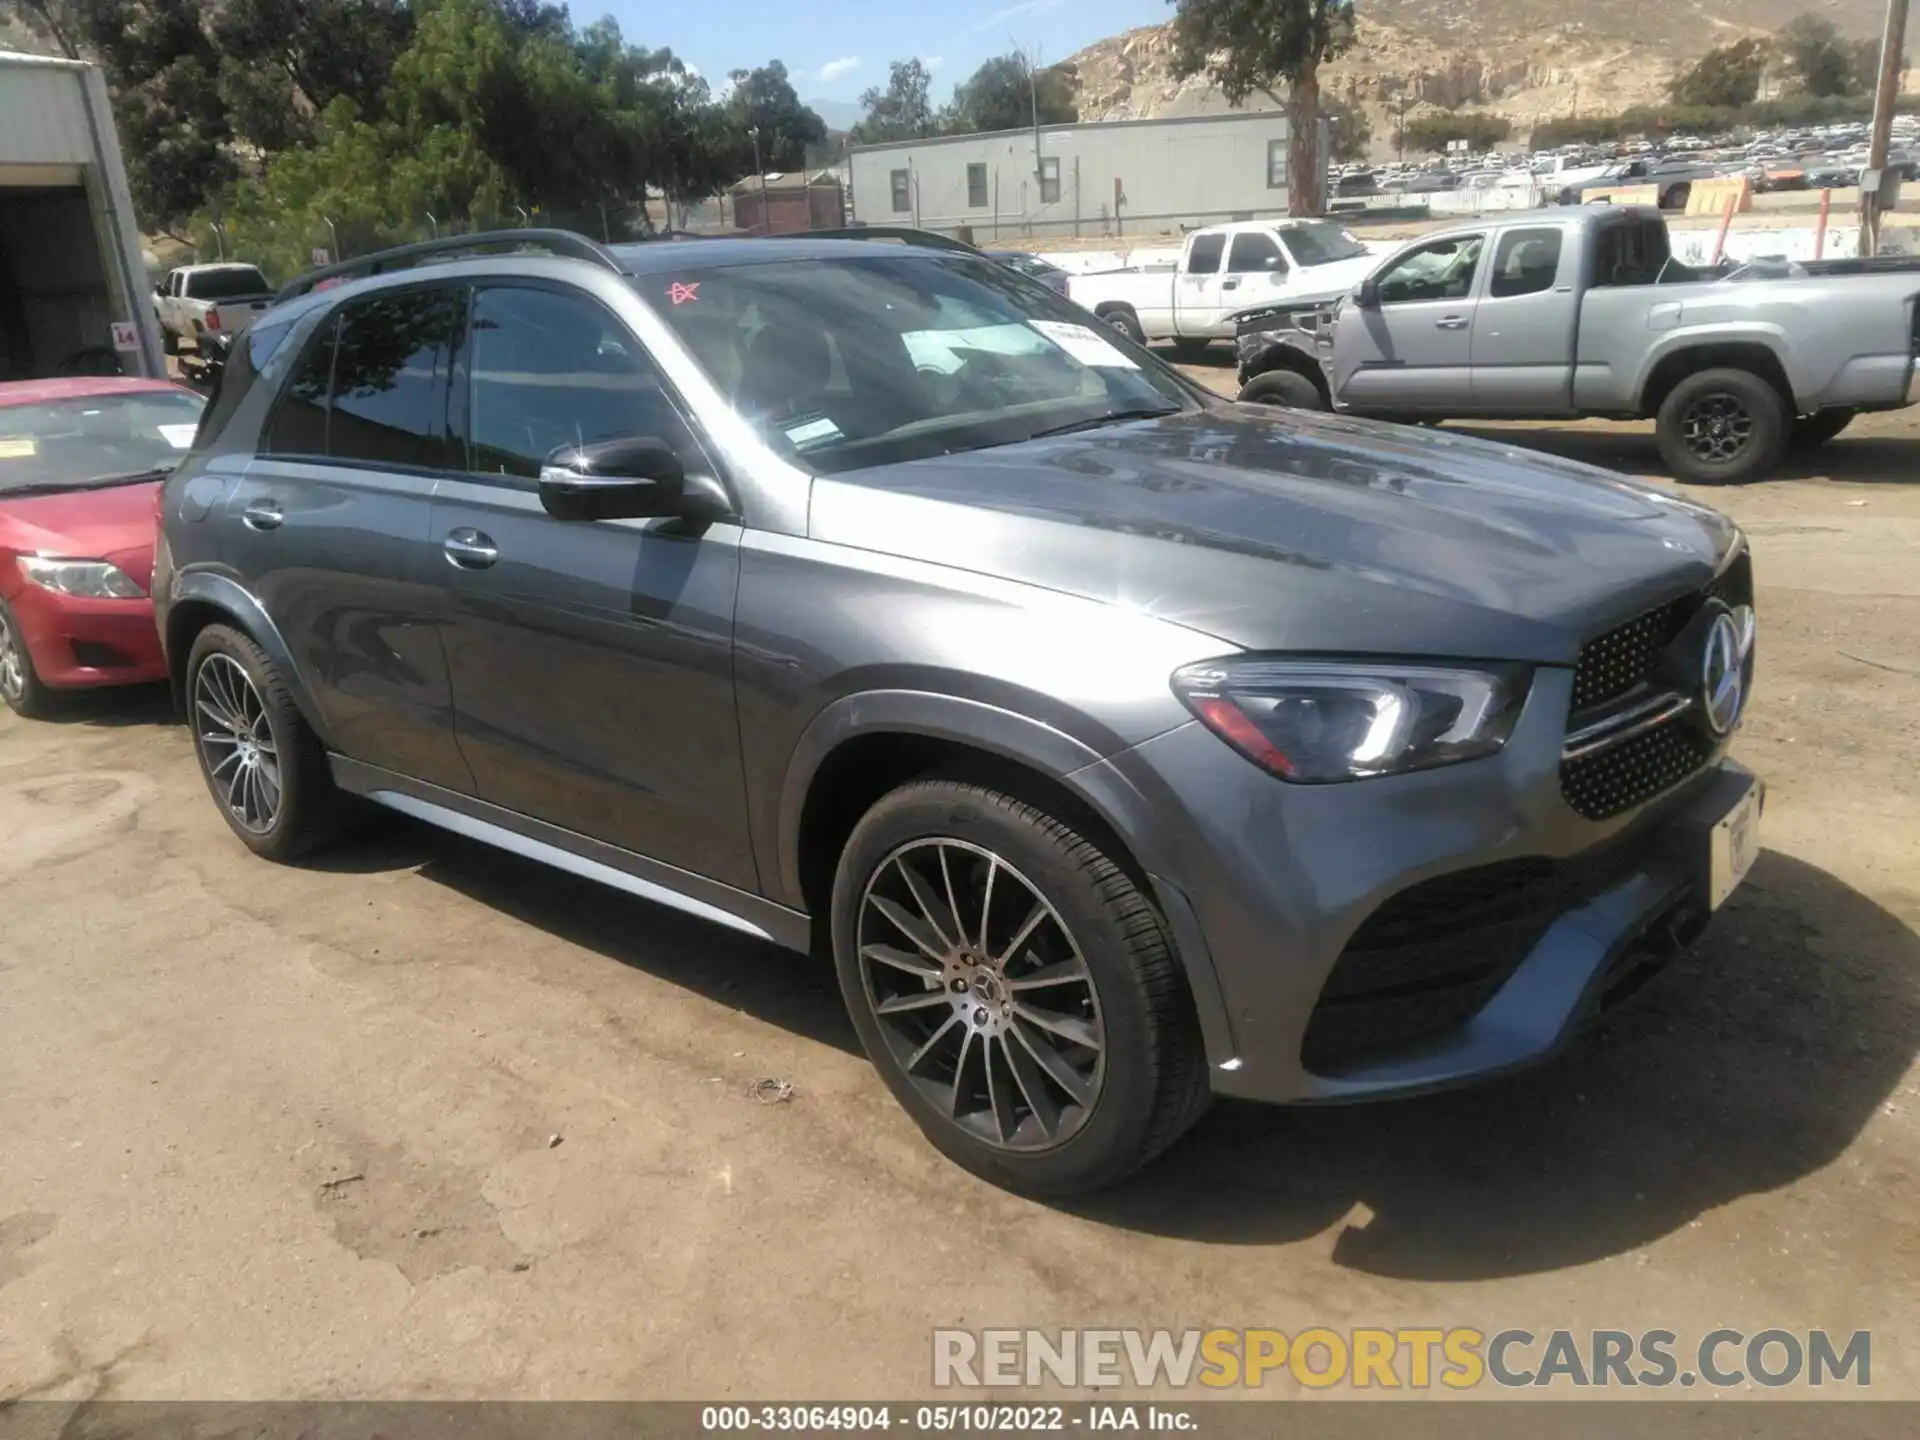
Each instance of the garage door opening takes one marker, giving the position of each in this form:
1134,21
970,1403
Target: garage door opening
56,304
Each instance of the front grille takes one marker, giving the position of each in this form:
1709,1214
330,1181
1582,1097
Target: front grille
1613,664
1612,781
1611,668
1430,958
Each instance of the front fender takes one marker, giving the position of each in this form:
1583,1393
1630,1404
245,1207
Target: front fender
972,723
196,587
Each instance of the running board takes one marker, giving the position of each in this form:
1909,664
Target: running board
576,854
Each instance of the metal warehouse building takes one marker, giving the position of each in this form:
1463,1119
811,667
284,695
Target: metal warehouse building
1120,177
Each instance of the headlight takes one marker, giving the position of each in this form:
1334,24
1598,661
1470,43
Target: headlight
88,579
1314,722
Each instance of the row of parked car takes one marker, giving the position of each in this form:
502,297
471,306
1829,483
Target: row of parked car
1123,745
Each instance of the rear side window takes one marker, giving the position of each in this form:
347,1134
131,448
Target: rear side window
300,419
237,377
389,378
1203,256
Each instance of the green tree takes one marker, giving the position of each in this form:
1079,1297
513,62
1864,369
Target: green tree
1824,62
1351,131
901,111
1431,134
1728,76
1245,46
282,62
764,99
1005,92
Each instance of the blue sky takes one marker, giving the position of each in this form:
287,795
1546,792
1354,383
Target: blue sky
834,49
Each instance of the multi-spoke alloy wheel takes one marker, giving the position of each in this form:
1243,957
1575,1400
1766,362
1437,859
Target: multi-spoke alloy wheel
1717,428
982,993
13,672
236,743
1014,987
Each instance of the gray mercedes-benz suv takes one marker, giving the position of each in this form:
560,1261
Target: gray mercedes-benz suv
1126,746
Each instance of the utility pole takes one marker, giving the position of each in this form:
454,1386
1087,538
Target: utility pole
1892,47
766,220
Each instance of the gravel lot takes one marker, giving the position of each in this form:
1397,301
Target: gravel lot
424,1120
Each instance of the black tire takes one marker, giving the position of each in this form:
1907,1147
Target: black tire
1190,351
1282,387
1150,1080
169,342
1722,427
1122,318
1810,432
26,694
310,811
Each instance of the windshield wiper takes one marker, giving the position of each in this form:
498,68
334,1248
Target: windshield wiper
132,477
1110,417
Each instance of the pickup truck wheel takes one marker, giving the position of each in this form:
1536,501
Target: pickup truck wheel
1014,988
1122,318
1722,427
1282,387
1191,351
1812,431
169,342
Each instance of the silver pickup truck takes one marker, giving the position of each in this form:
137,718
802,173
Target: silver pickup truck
1586,313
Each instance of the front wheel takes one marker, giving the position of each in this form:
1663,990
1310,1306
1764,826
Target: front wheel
20,684
1722,427
1122,318
1014,988
1282,387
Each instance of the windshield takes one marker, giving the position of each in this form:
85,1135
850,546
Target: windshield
68,444
842,364
1028,265
1321,243
225,284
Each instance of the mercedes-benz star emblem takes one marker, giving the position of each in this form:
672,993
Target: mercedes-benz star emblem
1723,678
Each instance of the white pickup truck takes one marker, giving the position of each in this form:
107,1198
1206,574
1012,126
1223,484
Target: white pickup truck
197,298
1222,270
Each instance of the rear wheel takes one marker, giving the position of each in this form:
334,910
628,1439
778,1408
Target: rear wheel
20,684
1282,387
1014,989
1191,351
263,765
1810,432
1722,427
1122,318
169,342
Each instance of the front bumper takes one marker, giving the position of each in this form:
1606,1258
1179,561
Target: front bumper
81,644
1266,884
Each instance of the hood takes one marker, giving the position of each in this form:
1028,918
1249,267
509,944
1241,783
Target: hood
1299,532
1334,278
115,523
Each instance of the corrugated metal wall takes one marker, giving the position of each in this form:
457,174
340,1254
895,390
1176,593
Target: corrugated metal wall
1158,175
44,121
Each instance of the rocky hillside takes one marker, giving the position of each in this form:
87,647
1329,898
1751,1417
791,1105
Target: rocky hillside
1518,58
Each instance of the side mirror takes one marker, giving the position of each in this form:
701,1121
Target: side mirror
1366,294
631,478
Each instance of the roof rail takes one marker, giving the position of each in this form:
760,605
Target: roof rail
565,243
903,234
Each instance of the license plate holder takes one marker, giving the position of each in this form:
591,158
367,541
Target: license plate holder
1733,843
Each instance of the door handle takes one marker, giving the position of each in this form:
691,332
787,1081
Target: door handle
1451,322
1230,285
469,549
263,515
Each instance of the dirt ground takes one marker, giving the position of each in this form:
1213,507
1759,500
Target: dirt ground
424,1120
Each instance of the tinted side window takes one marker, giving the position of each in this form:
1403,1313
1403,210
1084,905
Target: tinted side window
1254,252
236,380
1525,263
548,369
1438,270
389,375
1203,258
300,419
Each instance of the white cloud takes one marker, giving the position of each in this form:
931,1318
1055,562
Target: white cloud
835,69
934,62
1019,10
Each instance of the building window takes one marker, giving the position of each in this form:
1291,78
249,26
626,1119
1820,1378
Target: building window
976,187
1050,180
1277,164
902,192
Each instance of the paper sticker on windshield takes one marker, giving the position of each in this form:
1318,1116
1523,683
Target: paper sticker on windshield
16,447
812,432
180,437
1085,344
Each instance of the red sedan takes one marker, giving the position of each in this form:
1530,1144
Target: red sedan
80,462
